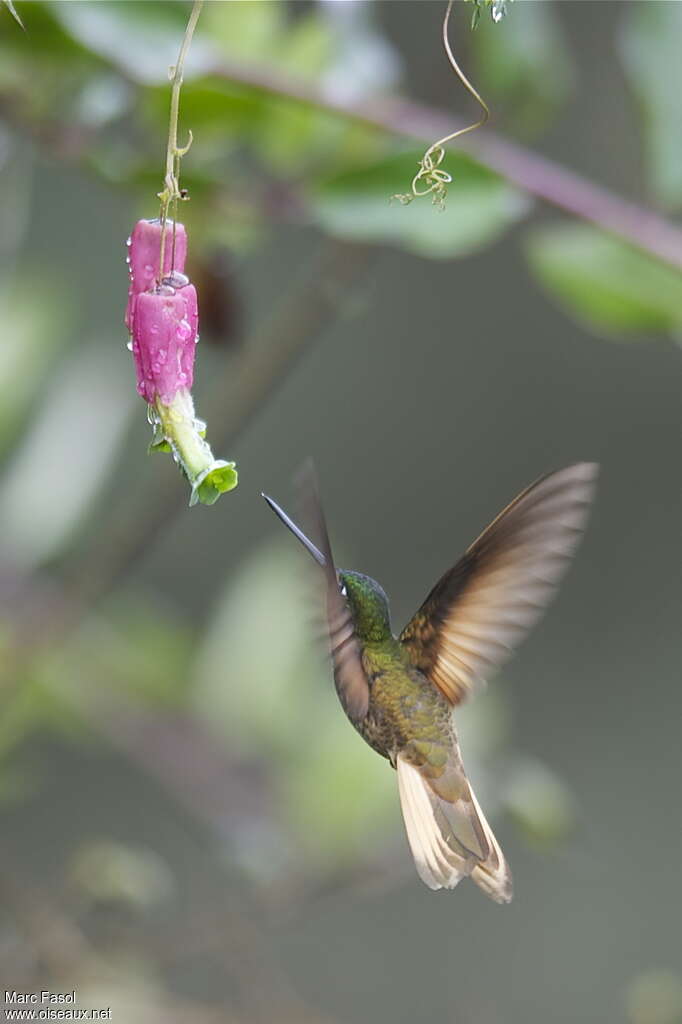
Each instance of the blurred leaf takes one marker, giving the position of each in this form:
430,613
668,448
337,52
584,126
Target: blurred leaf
211,105
307,48
262,31
539,802
66,453
655,997
44,37
104,98
255,670
34,332
340,797
105,871
141,39
245,29
21,712
356,205
29,707
363,62
138,647
650,48
611,286
525,67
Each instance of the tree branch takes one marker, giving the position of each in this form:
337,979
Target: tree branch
529,171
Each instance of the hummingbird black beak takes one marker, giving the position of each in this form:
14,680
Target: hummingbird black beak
307,544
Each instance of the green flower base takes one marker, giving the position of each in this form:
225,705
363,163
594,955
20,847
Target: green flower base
178,431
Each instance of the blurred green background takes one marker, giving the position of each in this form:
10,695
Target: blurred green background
190,828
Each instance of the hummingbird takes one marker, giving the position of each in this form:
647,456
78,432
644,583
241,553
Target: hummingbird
399,691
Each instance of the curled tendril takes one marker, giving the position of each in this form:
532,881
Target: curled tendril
431,179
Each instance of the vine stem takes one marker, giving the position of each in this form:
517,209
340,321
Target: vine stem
174,153
465,82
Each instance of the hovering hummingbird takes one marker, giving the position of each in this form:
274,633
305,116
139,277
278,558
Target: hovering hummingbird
399,692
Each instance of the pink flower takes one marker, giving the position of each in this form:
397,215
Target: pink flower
145,253
163,319
165,324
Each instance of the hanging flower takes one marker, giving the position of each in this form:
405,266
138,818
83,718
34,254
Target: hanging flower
143,259
162,317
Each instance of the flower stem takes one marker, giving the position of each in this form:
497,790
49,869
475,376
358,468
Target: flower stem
174,153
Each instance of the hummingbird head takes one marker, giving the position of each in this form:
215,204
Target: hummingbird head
368,605
366,600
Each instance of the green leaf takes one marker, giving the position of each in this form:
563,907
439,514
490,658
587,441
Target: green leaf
524,67
356,205
13,11
608,285
650,49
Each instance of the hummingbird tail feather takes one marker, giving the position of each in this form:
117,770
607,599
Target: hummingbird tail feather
450,839
441,862
492,875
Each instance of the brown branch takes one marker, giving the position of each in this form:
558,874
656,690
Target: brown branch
529,171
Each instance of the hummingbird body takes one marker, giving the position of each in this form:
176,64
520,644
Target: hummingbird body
399,692
405,711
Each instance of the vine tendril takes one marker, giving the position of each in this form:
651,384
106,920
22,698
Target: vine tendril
430,179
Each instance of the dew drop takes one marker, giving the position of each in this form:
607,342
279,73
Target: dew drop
176,279
184,330
129,346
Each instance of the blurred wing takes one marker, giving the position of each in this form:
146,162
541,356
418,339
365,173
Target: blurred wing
351,681
479,611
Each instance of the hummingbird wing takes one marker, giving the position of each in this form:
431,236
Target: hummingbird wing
480,610
350,678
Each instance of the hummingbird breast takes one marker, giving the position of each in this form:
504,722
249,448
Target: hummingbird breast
406,712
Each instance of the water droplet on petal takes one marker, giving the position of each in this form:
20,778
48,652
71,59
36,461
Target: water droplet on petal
184,330
129,346
176,279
